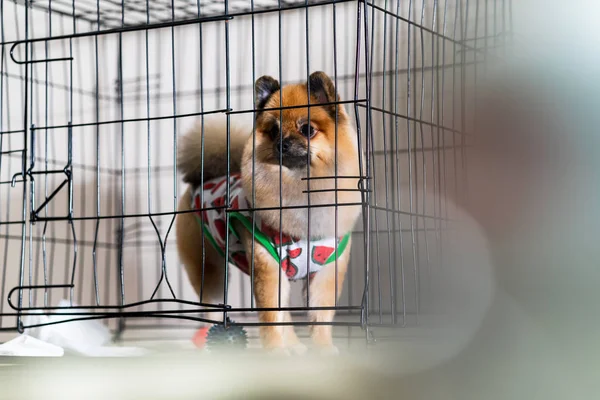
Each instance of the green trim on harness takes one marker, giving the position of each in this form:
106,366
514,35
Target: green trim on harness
210,237
340,249
266,242
258,235
264,239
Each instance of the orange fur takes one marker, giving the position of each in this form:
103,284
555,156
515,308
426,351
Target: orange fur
207,277
261,174
266,291
264,175
323,294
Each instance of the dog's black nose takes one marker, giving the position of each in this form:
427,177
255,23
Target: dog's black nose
285,145
293,152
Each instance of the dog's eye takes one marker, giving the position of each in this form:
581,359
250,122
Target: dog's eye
307,131
274,131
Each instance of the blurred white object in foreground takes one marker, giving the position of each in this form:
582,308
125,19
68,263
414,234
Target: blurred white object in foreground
86,337
459,283
27,346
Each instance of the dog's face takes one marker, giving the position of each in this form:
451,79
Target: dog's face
291,144
291,136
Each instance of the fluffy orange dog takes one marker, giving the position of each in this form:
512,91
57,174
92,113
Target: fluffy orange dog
257,205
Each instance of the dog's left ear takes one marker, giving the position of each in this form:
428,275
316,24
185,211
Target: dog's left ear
264,87
322,89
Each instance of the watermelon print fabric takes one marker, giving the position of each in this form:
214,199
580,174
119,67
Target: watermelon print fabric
297,257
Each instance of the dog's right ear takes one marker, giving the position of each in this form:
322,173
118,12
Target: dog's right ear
264,87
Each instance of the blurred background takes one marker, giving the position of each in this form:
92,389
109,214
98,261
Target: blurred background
511,306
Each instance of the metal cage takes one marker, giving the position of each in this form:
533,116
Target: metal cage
93,97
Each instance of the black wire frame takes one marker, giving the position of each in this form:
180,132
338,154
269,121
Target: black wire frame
389,225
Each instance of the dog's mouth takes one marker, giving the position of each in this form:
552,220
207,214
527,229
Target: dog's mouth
290,153
293,162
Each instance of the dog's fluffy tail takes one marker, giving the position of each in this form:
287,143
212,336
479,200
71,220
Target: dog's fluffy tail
190,162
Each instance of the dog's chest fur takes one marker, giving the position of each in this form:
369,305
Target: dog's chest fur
291,191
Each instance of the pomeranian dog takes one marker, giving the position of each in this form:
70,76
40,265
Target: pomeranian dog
278,197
